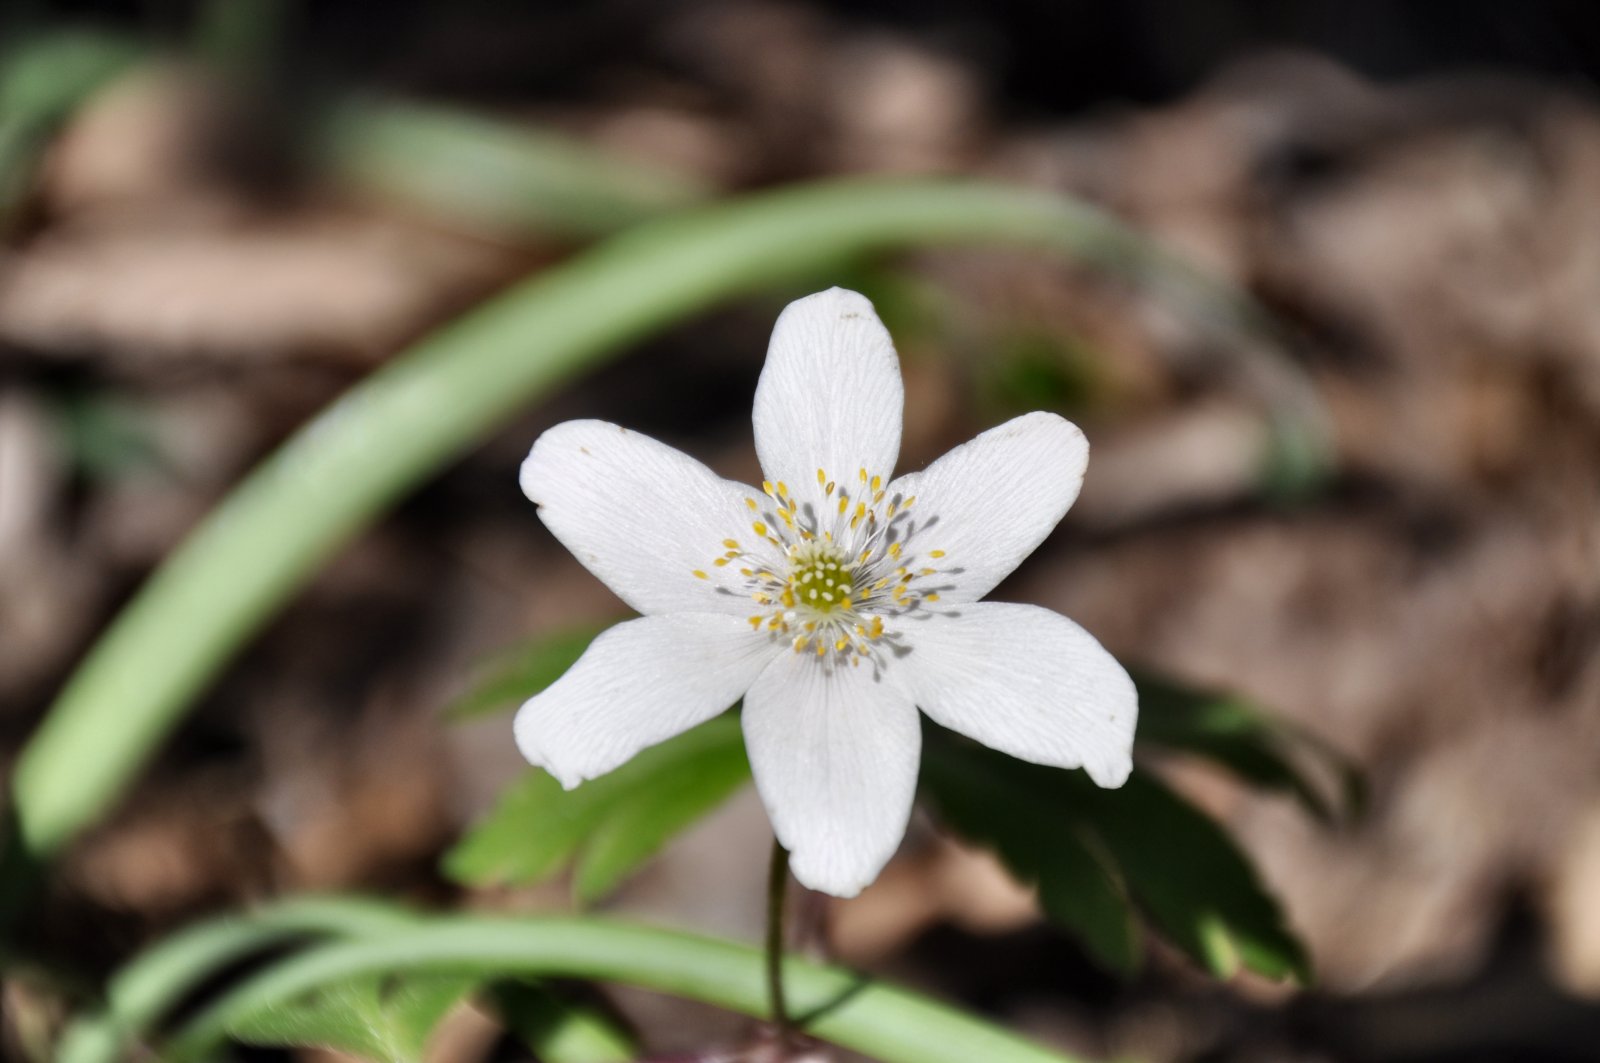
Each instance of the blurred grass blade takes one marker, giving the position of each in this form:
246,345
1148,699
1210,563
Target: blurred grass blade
877,1020
1152,847
523,671
493,177
154,984
453,388
1247,741
609,825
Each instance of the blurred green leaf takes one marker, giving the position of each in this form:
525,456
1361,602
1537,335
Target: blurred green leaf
1248,742
608,826
106,437
386,1018
44,77
556,1029
523,671
1041,371
1170,859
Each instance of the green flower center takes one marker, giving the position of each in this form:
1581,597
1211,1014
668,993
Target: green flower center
821,578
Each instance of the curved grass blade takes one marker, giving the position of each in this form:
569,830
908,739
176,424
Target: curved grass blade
883,1022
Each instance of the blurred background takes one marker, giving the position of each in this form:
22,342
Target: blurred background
216,217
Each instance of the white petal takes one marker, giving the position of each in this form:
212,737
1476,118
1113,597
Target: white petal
990,502
642,516
639,683
835,758
830,395
1028,682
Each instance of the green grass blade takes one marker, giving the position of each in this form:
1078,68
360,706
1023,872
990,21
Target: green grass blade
490,176
886,1023
152,985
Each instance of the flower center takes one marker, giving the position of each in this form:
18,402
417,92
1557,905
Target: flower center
826,572
821,578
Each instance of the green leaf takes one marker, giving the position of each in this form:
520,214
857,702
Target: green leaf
383,1018
522,671
556,1029
1248,742
608,826
1078,888
1171,860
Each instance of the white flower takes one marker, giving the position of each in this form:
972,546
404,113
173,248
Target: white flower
834,600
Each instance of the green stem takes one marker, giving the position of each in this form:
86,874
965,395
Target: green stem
777,889
888,1024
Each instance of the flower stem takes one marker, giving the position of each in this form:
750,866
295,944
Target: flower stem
777,890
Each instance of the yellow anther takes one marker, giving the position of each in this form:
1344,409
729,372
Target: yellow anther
864,555
877,497
800,644
863,474
752,504
822,477
719,562
731,544
828,490
861,510
935,553
844,504
841,645
762,599
766,487
929,571
894,550
755,621
931,598
878,586
907,503
877,485
700,575
783,490
822,647
759,528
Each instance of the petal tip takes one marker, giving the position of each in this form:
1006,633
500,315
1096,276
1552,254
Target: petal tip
828,879
1110,775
